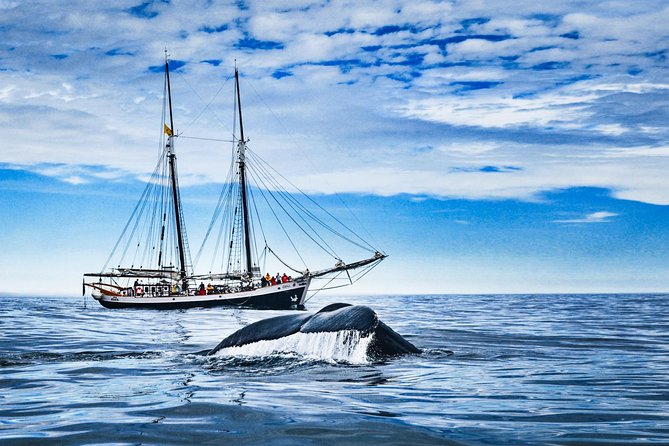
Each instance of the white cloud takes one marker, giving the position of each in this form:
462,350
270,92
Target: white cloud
594,217
75,180
611,129
500,111
473,102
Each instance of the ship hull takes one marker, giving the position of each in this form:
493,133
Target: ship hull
286,296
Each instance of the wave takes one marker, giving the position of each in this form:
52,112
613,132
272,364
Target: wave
39,357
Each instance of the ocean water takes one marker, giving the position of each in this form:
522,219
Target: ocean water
525,369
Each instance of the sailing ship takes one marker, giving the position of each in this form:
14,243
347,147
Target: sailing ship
153,266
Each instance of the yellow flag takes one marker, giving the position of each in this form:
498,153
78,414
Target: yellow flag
167,130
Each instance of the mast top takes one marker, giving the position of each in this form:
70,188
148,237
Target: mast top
239,106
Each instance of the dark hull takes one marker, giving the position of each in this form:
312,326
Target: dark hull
288,299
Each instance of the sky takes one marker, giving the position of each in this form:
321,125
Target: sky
485,148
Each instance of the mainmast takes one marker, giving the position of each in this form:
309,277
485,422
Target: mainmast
242,181
175,186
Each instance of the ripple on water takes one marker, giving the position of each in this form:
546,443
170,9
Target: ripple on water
548,369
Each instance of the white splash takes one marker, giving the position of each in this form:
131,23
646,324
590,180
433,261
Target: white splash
342,346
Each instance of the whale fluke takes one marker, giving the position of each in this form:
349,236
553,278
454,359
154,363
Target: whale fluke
334,318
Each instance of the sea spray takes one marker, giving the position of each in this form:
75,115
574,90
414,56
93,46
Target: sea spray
347,346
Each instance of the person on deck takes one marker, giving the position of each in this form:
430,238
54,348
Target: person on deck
284,278
263,282
272,281
200,289
278,278
210,288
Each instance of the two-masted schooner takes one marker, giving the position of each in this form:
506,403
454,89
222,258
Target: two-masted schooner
152,261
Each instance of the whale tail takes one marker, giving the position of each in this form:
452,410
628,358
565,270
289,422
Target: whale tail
339,323
387,342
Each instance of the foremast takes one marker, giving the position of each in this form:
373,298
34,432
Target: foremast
241,150
175,184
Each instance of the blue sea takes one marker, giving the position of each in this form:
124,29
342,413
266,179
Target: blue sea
524,370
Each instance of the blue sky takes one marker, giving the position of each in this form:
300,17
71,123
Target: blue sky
487,148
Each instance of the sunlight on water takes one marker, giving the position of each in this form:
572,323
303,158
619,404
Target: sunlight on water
347,346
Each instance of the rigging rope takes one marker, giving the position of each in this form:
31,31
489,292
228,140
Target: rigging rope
294,204
204,139
368,247
200,98
282,227
306,156
139,207
281,260
290,198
